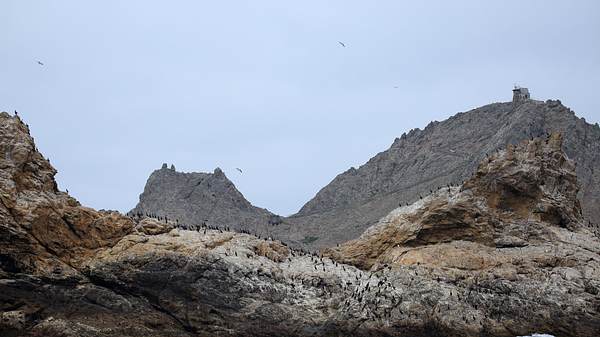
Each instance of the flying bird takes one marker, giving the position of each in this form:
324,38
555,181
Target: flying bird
237,168
40,63
342,44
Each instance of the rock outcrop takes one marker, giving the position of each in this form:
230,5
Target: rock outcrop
465,261
512,237
443,153
197,198
46,229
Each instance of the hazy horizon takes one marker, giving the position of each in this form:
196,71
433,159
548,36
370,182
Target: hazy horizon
267,87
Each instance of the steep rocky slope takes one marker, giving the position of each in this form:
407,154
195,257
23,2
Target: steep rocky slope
443,153
505,254
44,231
518,197
512,235
196,198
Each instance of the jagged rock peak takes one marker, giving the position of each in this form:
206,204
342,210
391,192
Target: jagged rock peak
219,173
166,167
195,198
22,165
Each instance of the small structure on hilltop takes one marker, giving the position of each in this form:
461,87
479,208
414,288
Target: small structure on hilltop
520,94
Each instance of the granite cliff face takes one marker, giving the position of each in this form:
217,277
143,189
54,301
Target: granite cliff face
196,198
505,254
443,153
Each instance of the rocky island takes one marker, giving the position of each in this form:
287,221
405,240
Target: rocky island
507,252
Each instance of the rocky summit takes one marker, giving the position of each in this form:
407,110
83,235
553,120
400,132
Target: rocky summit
200,198
444,153
506,253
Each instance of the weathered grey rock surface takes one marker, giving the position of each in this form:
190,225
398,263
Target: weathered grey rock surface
196,198
443,153
505,254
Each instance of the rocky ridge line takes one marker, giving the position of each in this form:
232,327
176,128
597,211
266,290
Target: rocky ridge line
443,153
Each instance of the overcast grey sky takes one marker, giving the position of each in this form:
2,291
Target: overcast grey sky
265,86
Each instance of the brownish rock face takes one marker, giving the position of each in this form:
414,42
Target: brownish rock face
505,254
47,226
533,181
